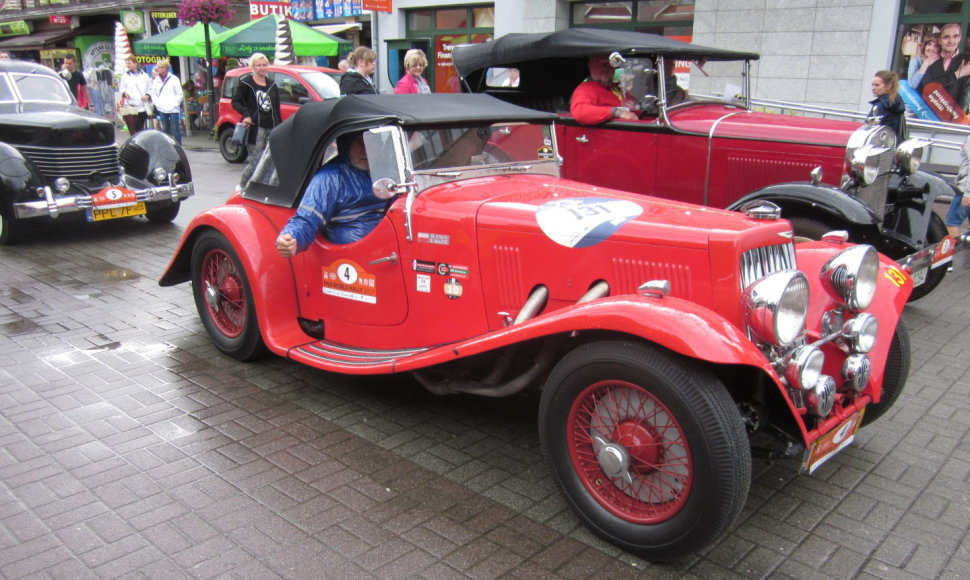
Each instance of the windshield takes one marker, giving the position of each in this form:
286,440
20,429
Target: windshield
322,83
498,144
34,88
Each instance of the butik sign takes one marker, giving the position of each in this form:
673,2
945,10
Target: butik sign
258,9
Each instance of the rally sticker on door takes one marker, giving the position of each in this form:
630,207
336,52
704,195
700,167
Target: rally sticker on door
585,221
346,279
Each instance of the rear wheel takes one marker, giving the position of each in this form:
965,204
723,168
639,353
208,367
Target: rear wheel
231,152
648,447
894,379
224,299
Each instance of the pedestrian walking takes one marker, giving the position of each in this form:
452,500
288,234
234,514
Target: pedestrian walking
166,96
258,102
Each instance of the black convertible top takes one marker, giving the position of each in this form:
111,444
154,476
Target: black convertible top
554,58
297,145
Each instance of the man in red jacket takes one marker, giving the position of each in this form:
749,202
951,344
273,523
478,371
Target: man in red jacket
599,99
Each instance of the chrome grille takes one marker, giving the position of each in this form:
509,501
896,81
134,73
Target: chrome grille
77,163
875,195
759,262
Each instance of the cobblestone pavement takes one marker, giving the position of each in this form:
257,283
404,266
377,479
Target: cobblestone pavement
129,447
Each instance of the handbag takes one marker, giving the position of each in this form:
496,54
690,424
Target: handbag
240,133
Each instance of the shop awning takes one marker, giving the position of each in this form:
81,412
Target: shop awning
43,39
336,28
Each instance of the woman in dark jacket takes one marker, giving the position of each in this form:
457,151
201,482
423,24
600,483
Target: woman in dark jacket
258,102
887,105
356,81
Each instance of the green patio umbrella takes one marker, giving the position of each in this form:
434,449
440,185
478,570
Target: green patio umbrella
260,36
179,41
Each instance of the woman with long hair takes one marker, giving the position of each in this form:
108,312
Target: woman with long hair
887,107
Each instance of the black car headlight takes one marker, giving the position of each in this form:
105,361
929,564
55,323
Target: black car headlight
775,307
850,277
864,165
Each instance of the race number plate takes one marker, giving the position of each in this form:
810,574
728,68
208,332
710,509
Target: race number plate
97,215
919,276
832,442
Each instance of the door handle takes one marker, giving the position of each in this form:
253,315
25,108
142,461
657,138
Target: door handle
392,259
582,139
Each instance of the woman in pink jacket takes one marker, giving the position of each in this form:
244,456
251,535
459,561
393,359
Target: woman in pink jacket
412,82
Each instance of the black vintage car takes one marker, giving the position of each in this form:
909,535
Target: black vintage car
58,161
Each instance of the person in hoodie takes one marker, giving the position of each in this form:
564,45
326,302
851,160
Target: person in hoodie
339,202
887,106
258,102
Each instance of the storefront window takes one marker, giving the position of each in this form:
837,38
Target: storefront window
451,26
419,20
932,7
666,17
931,44
456,18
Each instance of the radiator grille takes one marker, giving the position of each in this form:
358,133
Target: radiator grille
875,195
79,163
759,262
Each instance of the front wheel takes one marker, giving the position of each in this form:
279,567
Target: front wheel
894,378
934,235
223,297
647,445
162,212
231,151
9,229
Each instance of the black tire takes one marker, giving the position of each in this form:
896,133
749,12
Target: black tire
223,297
9,229
162,212
935,233
807,228
894,379
231,152
646,406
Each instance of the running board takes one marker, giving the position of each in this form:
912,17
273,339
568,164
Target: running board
330,355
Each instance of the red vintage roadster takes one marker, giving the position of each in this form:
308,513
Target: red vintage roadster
668,340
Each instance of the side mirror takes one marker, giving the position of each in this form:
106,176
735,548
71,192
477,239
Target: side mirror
385,188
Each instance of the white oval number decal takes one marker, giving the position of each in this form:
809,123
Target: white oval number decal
585,221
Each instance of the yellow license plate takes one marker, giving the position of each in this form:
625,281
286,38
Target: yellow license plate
98,215
832,442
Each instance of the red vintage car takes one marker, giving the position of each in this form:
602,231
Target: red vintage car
668,340
824,174
298,85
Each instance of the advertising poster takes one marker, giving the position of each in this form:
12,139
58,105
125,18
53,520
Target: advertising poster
163,21
445,76
934,71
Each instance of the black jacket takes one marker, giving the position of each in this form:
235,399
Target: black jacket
354,83
889,112
246,102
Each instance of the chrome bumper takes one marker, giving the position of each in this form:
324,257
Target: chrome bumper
50,206
936,255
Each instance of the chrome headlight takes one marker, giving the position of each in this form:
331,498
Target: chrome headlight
804,367
159,175
864,165
909,155
775,307
850,277
860,333
856,371
821,399
62,184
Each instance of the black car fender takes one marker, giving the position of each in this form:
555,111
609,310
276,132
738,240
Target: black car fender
19,178
824,202
148,150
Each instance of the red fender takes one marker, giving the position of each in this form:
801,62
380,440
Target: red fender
270,275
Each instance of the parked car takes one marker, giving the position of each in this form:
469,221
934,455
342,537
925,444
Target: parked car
718,152
61,162
667,339
298,85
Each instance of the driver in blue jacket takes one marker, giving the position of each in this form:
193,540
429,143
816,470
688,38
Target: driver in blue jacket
339,202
